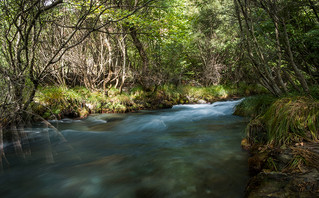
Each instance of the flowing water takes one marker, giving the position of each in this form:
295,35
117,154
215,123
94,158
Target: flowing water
186,151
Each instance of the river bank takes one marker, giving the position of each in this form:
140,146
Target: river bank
282,139
79,102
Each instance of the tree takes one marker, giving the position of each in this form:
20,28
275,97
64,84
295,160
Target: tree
270,30
34,38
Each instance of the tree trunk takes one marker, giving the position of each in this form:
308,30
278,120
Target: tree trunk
312,6
291,81
261,65
110,71
292,62
275,20
124,53
139,46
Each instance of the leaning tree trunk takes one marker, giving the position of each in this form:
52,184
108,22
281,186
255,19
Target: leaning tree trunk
139,46
273,14
299,75
262,67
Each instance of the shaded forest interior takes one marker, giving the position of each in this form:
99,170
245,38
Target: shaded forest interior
115,46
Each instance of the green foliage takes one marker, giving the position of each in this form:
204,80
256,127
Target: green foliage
281,121
254,105
58,102
290,120
314,91
296,163
51,95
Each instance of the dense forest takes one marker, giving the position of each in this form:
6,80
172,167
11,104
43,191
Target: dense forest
61,57
105,44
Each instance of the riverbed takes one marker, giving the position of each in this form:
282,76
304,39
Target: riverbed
185,151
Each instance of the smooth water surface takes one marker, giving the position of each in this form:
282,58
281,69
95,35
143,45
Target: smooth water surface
186,151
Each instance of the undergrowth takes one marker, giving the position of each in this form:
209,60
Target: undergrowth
59,102
282,135
281,121
254,105
291,120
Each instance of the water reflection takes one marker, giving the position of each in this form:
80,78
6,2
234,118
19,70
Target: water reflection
186,151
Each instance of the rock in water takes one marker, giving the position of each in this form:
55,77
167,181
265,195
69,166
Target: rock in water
202,102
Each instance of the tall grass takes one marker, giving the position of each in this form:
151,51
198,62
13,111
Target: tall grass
291,120
254,105
281,121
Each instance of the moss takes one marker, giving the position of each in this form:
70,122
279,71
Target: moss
62,102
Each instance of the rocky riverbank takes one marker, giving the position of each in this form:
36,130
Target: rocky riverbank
286,172
282,140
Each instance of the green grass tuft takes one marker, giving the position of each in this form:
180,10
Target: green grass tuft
282,121
291,120
254,105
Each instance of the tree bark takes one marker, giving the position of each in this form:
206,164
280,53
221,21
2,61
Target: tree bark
260,63
299,75
139,46
272,11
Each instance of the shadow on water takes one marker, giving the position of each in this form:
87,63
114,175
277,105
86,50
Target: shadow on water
186,151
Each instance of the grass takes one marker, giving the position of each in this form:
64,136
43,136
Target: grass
292,119
281,121
254,105
58,102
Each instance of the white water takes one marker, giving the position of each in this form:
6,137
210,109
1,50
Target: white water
186,151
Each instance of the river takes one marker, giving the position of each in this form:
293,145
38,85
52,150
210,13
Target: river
186,151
